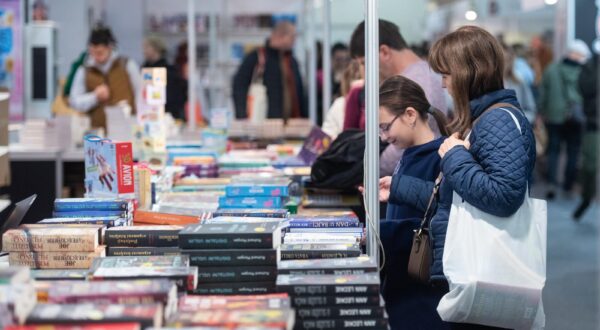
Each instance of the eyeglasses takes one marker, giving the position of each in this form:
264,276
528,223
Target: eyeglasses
384,128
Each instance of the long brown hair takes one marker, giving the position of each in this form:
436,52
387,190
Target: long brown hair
398,93
475,61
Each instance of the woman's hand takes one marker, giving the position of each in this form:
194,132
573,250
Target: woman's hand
451,142
384,188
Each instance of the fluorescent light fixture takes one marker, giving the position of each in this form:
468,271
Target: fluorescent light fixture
550,2
471,15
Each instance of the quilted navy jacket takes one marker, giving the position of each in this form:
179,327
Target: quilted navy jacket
493,175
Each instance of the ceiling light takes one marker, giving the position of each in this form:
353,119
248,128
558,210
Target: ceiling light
471,15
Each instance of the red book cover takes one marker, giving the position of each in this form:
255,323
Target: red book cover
125,167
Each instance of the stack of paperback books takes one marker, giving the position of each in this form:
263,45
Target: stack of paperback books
233,258
130,292
174,268
53,246
17,295
334,294
106,211
142,240
270,311
261,196
234,165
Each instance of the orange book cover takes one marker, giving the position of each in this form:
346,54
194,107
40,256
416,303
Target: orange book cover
157,218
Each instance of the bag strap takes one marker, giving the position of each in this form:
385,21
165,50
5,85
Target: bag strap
491,107
434,194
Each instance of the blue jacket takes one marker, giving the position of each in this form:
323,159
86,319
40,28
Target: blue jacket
493,175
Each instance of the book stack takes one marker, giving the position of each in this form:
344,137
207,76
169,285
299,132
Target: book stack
261,196
174,268
270,311
142,241
323,230
110,212
234,165
334,294
191,184
130,292
17,295
254,213
53,246
233,258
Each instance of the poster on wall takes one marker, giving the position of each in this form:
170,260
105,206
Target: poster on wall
11,54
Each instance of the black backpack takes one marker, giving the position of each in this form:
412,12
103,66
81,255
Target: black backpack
341,166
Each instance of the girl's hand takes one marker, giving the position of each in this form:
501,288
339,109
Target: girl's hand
452,142
384,188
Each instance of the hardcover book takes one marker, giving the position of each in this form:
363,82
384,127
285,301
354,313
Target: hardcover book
158,236
329,285
231,236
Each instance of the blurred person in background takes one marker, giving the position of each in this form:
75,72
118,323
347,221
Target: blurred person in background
155,55
560,107
353,77
522,68
281,76
523,90
340,60
588,85
104,78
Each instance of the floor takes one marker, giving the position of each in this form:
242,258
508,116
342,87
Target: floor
571,297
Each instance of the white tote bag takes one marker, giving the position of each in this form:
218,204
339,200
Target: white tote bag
257,102
495,266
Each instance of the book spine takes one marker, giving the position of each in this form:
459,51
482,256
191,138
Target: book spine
249,214
226,241
243,274
184,282
152,238
66,206
322,271
229,289
251,202
156,218
121,298
291,255
323,224
257,191
336,324
99,221
314,301
125,173
22,240
206,258
86,213
341,312
117,251
329,290
53,260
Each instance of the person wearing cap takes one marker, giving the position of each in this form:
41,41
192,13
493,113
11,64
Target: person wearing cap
155,54
560,107
104,79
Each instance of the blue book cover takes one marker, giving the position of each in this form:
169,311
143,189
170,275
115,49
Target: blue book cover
107,221
90,204
252,190
259,213
89,214
251,202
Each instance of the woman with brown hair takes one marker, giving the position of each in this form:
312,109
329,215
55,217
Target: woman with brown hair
489,159
403,121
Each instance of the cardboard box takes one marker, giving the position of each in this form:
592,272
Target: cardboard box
4,167
4,115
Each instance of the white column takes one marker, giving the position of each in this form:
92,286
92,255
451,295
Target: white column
312,61
326,56
372,126
191,20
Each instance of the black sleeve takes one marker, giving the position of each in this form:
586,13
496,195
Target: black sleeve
588,80
241,84
302,98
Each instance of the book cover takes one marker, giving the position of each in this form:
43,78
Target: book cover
117,292
233,257
254,190
108,167
148,315
91,204
51,238
59,274
248,302
335,301
156,236
259,213
235,288
315,144
140,261
319,251
237,274
252,202
359,323
116,251
55,260
186,278
90,214
344,312
156,218
334,285
341,266
231,236
281,318
105,221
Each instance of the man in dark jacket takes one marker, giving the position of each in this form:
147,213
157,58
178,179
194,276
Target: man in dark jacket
588,85
281,76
